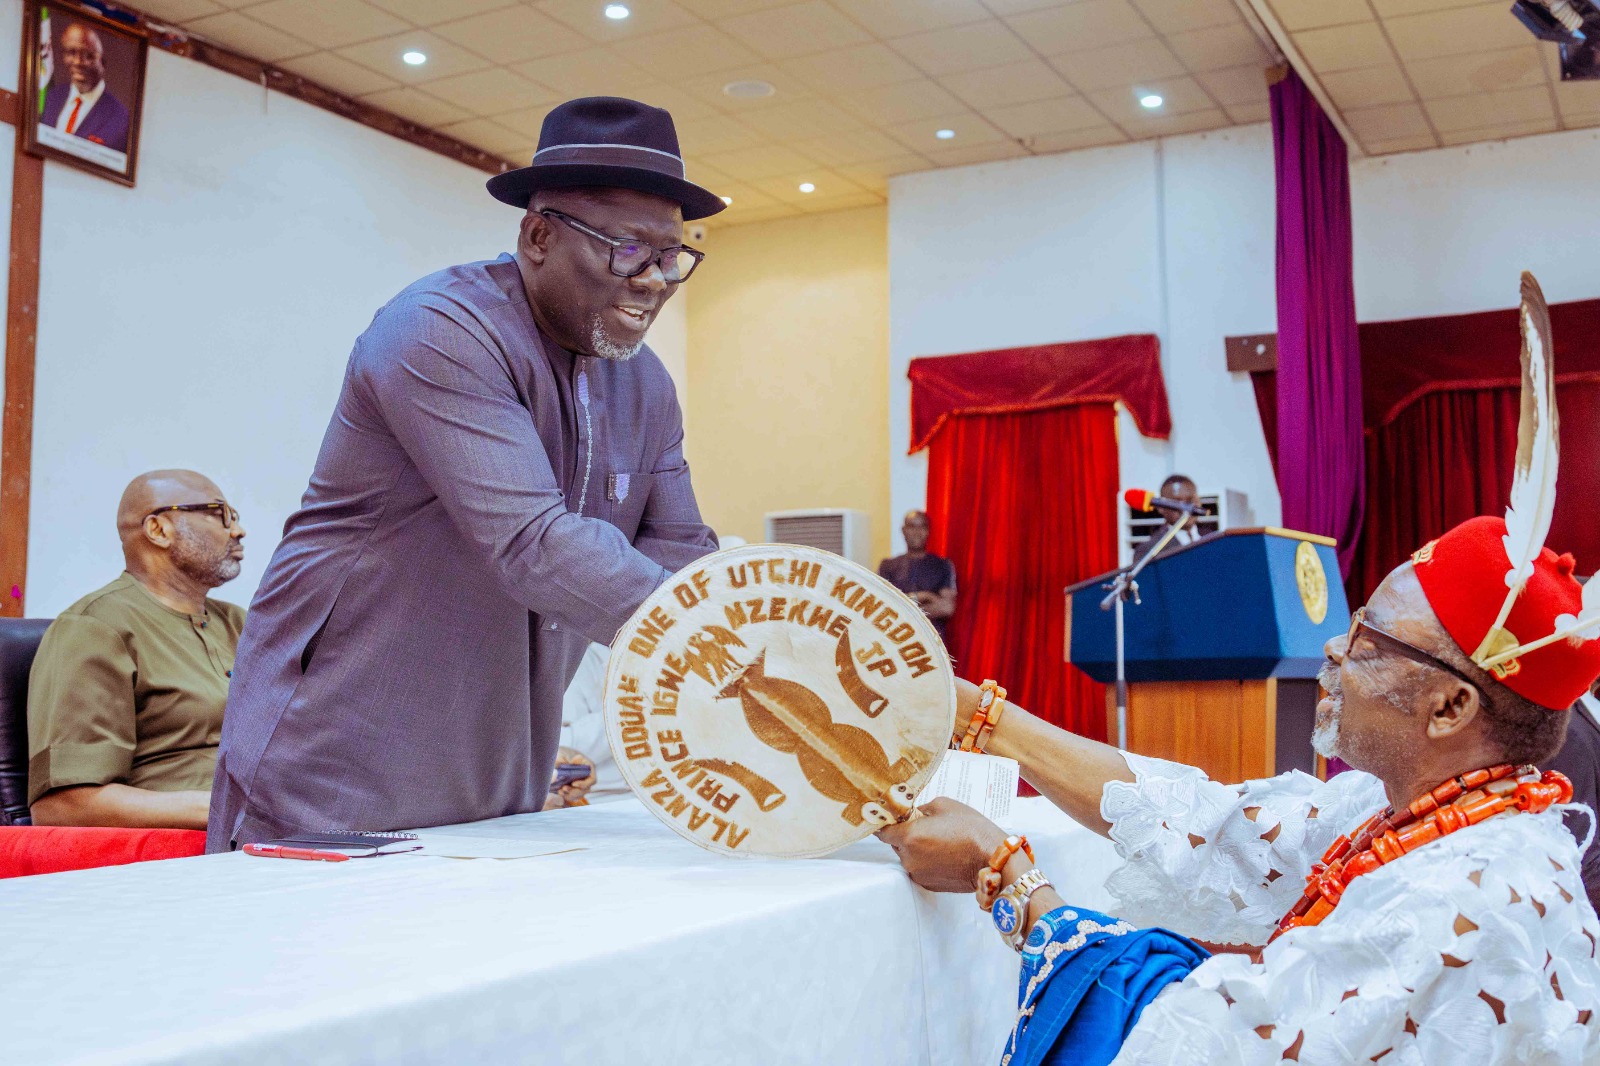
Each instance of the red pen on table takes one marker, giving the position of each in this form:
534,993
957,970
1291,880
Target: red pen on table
276,851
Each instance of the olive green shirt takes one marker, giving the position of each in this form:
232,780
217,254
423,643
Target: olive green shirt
127,690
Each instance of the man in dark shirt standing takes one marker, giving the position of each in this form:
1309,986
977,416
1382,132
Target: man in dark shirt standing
928,579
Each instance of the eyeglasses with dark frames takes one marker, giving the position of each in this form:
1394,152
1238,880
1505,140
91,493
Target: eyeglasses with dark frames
1360,627
224,512
630,258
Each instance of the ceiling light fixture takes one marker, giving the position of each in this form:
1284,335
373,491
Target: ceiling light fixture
728,200
944,135
748,90
414,58
806,186
1151,101
617,12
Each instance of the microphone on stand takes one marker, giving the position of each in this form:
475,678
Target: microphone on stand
1145,500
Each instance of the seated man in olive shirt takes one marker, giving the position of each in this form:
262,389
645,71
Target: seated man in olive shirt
126,694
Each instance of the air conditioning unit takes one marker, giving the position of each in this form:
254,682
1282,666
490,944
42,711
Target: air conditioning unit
836,529
1225,509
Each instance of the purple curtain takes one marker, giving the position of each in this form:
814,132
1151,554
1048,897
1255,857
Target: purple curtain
1320,460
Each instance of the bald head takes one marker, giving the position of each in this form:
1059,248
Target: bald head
915,531
83,53
203,545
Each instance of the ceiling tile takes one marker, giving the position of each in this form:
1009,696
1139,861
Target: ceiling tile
330,25
512,34
743,196
1169,17
1480,28
249,37
491,92
874,176
339,74
1354,89
180,10
853,147
1046,116
1015,83
735,216
1400,144
785,188
1456,113
418,106
967,155
847,202
959,48
969,130
1578,101
488,135
703,136
1118,65
693,49
1344,48
1073,140
1511,68
708,88
1175,125
596,72
1296,15
761,161
429,12
1217,48
800,120
588,18
444,59
1079,26
1236,86
897,18
716,10
1182,95
529,121
1500,131
1244,114
681,104
852,68
1003,8
1394,8
1388,122
905,101
799,29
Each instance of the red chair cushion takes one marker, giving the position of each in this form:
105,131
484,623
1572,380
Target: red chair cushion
48,849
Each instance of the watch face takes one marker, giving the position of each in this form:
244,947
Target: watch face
1007,915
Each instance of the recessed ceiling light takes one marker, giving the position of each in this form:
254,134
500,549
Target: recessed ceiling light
414,58
944,135
1151,101
748,90
806,186
728,200
617,12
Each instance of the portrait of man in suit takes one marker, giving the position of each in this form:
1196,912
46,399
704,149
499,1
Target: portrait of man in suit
77,100
85,77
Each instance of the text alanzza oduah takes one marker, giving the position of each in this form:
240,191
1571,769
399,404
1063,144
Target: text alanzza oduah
801,603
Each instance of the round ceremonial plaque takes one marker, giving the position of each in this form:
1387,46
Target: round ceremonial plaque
778,700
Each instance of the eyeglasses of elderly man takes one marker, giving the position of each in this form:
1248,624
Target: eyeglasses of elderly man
1361,629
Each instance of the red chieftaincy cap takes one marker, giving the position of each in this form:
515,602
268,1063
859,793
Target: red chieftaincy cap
1463,574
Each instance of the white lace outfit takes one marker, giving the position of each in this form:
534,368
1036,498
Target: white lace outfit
1476,949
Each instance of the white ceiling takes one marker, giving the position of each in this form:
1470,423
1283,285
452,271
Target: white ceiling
862,85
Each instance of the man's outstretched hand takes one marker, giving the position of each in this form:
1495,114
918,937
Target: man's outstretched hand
944,844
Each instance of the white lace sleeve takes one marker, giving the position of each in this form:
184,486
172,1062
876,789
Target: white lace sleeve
1476,949
1222,863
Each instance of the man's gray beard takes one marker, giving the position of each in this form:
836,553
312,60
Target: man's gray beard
1325,737
190,554
605,347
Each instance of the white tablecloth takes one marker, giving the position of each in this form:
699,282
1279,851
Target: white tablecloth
638,949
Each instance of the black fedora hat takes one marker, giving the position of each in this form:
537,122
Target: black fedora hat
607,140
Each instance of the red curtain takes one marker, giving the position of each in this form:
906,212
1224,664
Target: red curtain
1024,504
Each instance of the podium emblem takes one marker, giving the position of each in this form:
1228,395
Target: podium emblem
778,700
1312,581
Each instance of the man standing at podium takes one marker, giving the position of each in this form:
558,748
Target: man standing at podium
1179,487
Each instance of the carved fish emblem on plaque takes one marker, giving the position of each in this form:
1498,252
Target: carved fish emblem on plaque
778,700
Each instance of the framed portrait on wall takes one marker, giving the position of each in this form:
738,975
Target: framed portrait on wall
82,91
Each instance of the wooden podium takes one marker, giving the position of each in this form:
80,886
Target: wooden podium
1222,652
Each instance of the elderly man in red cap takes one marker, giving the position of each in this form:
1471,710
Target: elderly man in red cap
1424,908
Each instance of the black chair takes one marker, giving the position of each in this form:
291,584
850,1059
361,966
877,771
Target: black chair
19,642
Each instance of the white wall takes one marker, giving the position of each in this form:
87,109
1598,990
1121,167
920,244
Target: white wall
1173,238
203,319
1075,246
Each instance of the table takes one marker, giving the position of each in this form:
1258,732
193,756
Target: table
637,948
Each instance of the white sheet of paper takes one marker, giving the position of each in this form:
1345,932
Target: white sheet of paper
447,846
986,783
